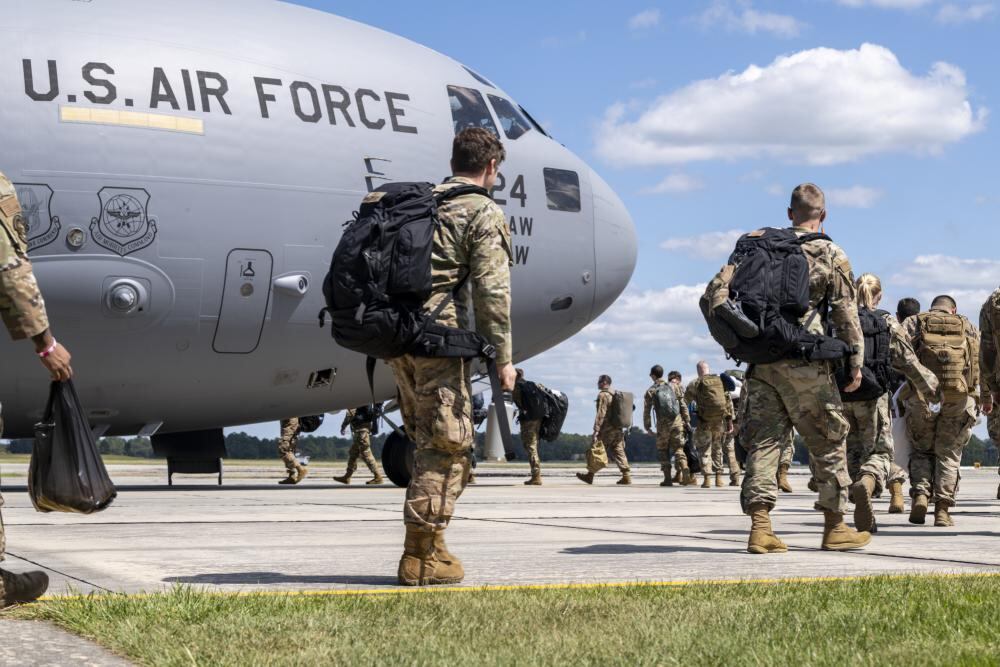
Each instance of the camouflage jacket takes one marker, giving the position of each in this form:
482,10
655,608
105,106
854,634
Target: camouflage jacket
349,418
831,279
904,359
474,240
604,399
647,408
21,304
912,329
989,329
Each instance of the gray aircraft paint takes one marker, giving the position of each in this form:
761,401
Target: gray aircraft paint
204,220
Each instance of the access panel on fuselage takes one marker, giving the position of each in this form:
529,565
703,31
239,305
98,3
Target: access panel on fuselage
245,297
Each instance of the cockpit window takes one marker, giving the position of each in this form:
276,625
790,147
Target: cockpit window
562,189
513,123
533,121
468,109
478,77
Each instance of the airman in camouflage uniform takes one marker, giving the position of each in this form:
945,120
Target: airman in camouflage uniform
712,432
989,363
803,394
529,436
361,447
785,464
473,240
940,424
608,440
669,435
287,444
23,312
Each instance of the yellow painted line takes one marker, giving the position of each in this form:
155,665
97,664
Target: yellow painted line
365,592
138,119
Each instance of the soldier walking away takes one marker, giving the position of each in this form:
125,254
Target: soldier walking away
989,328
23,312
785,464
360,421
665,400
939,425
529,431
715,423
905,309
471,257
681,459
291,429
869,442
791,384
609,436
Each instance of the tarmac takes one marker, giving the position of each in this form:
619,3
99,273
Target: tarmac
253,535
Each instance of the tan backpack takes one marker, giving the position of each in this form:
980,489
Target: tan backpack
711,399
944,349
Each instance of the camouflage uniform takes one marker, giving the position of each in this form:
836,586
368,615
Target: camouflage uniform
937,439
787,451
361,447
711,436
989,362
21,304
529,437
669,435
435,395
288,443
803,395
609,441
869,443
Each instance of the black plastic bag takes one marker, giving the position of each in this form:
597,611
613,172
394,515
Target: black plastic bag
67,473
694,460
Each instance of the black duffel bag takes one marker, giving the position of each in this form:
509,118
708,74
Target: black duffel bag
67,473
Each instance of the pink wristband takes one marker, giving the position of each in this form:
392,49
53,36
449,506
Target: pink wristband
49,350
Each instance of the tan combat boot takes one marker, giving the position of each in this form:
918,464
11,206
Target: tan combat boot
343,479
678,476
734,479
762,537
626,479
21,588
783,483
718,479
942,519
838,536
375,481
864,513
667,481
896,497
918,510
707,483
536,479
426,560
293,477
302,472
587,477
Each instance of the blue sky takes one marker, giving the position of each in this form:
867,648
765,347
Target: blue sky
657,96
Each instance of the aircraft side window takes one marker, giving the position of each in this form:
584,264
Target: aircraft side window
533,121
562,190
468,109
513,123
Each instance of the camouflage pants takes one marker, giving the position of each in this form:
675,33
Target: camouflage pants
669,444
436,401
869,444
609,445
993,426
361,448
529,438
289,441
803,396
3,534
729,453
710,440
787,451
936,442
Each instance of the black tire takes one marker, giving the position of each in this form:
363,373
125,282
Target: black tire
397,458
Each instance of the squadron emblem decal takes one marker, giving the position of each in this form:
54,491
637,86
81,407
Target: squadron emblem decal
124,225
36,211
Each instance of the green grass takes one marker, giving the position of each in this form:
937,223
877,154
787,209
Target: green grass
876,621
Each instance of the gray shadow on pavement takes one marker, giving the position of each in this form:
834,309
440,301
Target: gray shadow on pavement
621,549
262,578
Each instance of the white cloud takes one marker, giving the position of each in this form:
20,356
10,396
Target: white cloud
886,4
649,18
969,281
676,183
857,196
711,245
953,14
744,18
821,106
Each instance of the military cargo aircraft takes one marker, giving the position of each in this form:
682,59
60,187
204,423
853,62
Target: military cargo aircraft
186,169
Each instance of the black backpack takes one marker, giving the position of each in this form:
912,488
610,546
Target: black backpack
767,294
876,375
552,425
539,403
310,423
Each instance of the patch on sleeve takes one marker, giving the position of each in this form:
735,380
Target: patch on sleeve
757,234
373,197
10,207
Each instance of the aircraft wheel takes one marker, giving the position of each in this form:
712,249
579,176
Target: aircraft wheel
397,458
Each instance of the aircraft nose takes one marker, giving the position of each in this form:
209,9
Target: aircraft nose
615,245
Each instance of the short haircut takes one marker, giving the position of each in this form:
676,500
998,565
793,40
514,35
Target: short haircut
907,308
656,371
604,379
808,202
944,301
473,149
674,375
